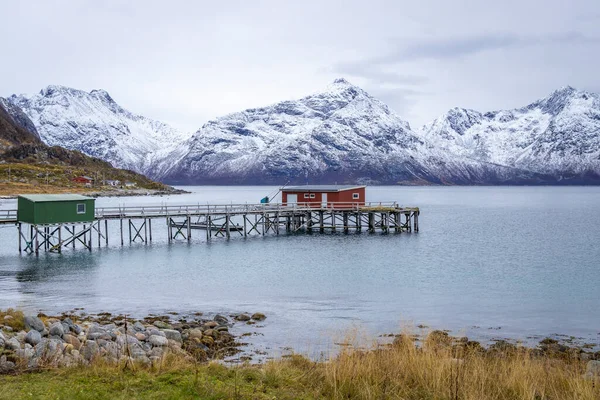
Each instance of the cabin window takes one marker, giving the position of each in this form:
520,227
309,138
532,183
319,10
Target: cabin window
355,196
312,195
306,195
81,208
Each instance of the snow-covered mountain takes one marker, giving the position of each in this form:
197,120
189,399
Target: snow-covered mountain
341,134
558,135
96,125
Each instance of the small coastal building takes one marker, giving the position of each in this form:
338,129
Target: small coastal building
112,182
86,180
130,184
331,196
41,209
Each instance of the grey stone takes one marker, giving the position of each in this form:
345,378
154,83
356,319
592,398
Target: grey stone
95,328
89,350
173,335
123,339
592,369
2,339
33,337
156,340
221,320
76,329
6,366
259,316
69,322
242,317
13,344
152,331
94,335
157,352
161,325
48,349
138,326
33,322
112,349
195,333
25,354
66,327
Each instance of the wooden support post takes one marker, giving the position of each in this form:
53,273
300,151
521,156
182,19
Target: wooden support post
416,220
209,230
408,225
37,243
130,230
277,222
387,222
345,221
263,223
60,238
309,221
90,243
227,233
99,235
333,221
245,232
121,224
19,229
150,227
189,228
145,230
106,232
73,235
169,233
371,222
321,225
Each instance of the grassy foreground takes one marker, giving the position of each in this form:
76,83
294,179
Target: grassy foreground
402,371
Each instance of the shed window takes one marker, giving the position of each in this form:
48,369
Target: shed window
355,195
312,195
306,195
81,208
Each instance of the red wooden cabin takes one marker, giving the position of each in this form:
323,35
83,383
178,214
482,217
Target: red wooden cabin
331,196
83,179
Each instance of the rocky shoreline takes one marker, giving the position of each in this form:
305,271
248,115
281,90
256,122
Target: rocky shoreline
75,338
31,342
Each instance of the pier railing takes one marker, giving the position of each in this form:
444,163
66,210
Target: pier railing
156,211
8,215
203,209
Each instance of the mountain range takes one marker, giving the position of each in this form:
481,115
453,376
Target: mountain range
339,134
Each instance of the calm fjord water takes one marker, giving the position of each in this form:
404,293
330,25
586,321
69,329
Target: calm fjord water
489,262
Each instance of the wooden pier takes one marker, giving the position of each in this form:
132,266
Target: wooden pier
135,224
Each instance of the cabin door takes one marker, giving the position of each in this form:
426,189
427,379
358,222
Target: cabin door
324,200
292,199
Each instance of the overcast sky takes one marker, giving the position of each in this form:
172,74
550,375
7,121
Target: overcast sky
185,62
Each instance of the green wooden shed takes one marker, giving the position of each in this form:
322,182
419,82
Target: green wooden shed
39,209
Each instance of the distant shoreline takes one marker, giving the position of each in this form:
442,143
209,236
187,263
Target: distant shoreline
102,193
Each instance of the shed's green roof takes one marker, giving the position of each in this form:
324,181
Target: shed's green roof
43,198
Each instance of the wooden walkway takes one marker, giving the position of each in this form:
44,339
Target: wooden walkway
135,222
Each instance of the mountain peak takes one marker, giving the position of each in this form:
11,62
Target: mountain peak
342,81
102,94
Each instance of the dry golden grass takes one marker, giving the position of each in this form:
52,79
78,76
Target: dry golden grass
436,370
13,318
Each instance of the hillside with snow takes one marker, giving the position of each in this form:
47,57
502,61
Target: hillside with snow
340,134
558,135
96,125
